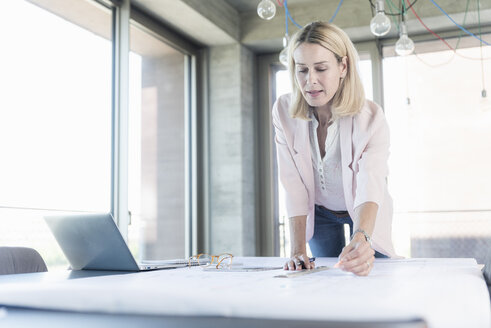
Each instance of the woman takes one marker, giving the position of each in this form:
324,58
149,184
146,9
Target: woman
332,146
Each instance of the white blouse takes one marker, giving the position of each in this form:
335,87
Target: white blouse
327,171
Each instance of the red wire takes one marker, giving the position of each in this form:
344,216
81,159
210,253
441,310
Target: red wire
280,3
428,29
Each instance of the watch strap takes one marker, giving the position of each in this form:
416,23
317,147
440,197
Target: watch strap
367,236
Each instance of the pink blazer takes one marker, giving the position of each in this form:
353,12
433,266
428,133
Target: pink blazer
364,142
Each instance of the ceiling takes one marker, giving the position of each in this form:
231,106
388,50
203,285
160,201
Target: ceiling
219,22
251,5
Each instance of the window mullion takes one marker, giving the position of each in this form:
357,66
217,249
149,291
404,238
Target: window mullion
120,112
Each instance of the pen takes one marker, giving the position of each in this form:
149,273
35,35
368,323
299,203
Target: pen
311,259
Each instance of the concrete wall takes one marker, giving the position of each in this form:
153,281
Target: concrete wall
231,133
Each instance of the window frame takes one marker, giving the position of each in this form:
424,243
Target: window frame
124,15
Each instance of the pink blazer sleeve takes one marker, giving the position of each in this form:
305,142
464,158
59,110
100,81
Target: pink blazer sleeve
297,201
371,156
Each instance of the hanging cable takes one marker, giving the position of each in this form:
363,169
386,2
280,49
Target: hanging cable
458,25
287,12
286,22
439,37
408,99
435,65
336,12
483,92
454,50
463,24
393,6
393,14
429,30
283,57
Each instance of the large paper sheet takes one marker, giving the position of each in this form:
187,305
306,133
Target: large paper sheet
444,292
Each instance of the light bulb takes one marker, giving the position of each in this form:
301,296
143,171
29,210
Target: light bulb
284,53
380,23
284,57
266,9
404,46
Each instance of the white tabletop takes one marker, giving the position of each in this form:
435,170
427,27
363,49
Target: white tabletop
444,292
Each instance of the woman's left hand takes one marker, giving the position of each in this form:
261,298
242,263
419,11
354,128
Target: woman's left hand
357,257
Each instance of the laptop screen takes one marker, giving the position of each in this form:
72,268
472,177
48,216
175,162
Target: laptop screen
92,242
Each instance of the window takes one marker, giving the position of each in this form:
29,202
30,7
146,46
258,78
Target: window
283,86
157,151
55,118
439,164
365,71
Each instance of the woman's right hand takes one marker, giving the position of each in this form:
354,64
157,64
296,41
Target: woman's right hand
298,262
298,259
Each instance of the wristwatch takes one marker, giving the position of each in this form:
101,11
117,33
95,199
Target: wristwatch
367,237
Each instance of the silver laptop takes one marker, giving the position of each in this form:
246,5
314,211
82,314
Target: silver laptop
94,242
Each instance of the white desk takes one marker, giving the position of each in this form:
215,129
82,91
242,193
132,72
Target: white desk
444,292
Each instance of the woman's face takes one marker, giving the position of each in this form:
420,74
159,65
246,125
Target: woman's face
318,73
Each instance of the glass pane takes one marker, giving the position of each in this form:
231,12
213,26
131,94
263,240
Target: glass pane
283,86
55,117
439,159
55,111
365,71
157,148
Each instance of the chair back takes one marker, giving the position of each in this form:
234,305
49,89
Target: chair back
20,260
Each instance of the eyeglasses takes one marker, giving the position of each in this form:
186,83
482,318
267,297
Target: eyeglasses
206,260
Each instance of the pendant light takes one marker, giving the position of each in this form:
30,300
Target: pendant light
266,9
404,46
380,23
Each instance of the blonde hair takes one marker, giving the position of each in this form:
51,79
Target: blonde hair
350,96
